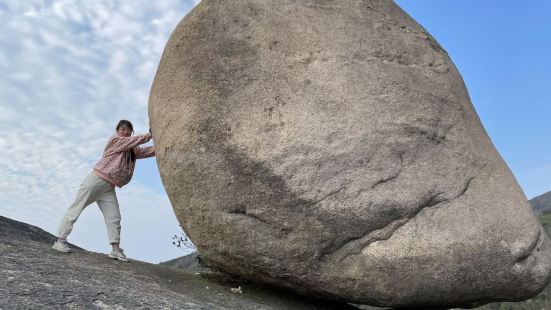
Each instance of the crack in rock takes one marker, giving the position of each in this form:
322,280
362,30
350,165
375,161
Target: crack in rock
332,193
354,246
386,180
242,210
526,253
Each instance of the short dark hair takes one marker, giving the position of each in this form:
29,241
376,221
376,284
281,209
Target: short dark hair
129,125
125,122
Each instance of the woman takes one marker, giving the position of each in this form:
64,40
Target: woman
115,168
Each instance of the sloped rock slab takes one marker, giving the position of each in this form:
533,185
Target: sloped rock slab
34,276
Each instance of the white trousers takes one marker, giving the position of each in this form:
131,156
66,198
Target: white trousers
94,189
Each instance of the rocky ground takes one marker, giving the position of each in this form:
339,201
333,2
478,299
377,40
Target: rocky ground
33,276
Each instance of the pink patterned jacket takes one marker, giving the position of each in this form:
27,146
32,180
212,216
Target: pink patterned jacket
115,165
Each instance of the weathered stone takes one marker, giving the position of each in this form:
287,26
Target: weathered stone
34,276
331,147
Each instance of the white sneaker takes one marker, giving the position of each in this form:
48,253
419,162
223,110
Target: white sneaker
118,255
61,246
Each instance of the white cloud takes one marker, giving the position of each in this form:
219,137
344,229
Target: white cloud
70,71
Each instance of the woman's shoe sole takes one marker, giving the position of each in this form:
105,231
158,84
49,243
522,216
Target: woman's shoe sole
114,257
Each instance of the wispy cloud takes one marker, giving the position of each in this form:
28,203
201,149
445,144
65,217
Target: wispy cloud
70,70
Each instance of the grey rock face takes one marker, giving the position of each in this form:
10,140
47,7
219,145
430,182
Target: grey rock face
34,276
331,147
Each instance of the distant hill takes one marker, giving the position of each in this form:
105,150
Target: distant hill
190,263
542,203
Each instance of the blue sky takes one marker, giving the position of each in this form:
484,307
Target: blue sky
502,49
72,68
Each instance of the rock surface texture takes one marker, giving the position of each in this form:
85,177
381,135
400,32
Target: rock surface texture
34,276
331,147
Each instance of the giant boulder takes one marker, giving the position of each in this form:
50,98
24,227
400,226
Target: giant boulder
331,147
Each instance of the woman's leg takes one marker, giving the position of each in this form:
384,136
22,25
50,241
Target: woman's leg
87,194
109,206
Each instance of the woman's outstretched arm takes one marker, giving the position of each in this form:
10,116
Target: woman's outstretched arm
120,144
144,152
